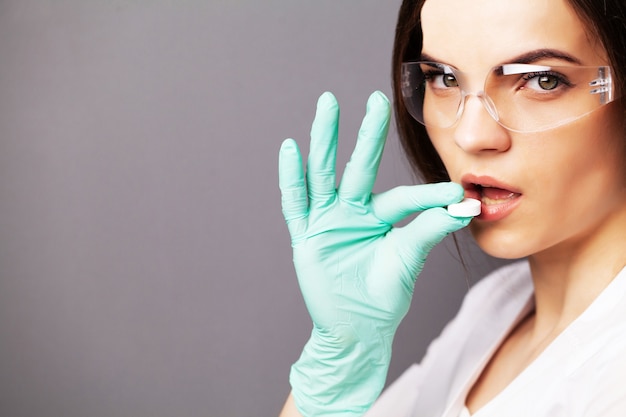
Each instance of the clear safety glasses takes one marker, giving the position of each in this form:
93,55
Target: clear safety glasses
520,97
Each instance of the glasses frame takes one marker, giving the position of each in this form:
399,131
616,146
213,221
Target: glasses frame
602,85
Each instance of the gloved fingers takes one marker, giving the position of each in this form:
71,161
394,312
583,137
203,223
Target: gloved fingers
323,151
415,240
291,182
400,202
360,173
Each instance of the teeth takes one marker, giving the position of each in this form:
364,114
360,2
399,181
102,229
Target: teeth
490,201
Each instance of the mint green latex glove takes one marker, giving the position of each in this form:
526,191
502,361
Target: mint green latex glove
356,271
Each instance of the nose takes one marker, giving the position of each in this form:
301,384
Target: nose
477,129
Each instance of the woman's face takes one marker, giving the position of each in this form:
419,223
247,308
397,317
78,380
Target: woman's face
550,190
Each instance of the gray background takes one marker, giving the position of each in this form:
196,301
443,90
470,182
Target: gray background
145,269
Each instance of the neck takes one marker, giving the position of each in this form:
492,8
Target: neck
569,277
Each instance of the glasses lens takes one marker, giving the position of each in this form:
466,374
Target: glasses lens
536,97
431,93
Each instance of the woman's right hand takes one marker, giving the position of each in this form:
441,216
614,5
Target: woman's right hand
356,271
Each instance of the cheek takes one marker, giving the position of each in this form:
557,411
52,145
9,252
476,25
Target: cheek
444,144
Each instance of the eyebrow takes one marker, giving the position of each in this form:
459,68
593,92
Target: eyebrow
527,57
538,54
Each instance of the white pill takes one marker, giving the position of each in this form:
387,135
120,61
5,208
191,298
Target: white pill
467,208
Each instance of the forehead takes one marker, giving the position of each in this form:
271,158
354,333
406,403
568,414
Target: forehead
483,33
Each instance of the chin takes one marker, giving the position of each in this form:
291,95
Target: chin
501,244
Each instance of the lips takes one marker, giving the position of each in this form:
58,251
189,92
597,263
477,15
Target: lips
498,199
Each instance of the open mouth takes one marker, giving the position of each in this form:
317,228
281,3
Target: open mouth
490,195
497,199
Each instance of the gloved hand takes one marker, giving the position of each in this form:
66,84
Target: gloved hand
355,270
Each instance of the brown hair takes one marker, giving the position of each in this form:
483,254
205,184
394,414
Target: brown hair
604,19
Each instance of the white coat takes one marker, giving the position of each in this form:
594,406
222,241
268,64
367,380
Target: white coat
582,373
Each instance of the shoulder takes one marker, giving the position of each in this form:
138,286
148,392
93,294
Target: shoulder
488,311
489,307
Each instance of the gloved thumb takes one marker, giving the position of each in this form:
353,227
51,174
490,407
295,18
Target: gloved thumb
416,239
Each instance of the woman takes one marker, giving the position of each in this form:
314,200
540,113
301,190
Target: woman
516,104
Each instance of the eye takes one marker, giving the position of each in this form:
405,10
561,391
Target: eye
544,82
547,82
449,80
440,80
